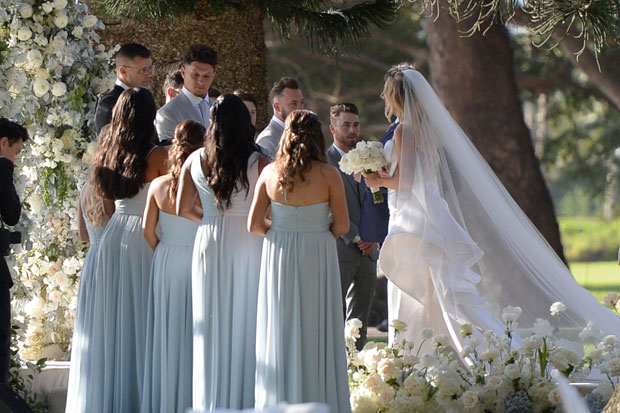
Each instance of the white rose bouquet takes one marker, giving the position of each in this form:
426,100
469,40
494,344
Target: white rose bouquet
365,157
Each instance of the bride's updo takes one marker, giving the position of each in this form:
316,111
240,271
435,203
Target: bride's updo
301,143
393,90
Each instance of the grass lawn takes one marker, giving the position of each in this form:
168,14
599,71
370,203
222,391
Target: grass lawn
600,277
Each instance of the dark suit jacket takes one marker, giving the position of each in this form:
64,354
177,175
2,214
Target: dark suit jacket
10,209
375,217
103,114
355,192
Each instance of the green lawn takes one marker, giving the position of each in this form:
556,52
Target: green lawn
599,277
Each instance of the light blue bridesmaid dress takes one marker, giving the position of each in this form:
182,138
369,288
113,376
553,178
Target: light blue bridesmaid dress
300,349
225,271
121,294
168,361
81,344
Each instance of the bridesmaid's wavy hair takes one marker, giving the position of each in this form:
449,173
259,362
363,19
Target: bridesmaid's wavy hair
119,163
301,143
393,91
229,144
188,136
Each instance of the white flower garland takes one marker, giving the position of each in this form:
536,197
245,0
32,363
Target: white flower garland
53,67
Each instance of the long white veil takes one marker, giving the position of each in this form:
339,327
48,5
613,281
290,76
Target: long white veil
482,252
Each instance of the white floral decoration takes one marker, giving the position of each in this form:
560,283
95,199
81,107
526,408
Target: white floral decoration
53,66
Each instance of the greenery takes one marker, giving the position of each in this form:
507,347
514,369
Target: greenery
590,238
600,277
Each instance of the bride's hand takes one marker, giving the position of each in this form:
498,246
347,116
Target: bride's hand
383,173
373,180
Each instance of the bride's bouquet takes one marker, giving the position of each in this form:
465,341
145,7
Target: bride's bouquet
366,157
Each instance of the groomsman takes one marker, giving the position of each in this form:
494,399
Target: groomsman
193,102
173,84
285,97
134,68
357,257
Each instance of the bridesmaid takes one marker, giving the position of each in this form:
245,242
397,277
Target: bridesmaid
93,214
168,361
226,261
300,351
124,165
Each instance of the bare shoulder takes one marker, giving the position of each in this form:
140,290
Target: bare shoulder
158,154
328,171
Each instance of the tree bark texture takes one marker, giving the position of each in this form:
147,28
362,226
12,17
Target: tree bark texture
475,78
237,36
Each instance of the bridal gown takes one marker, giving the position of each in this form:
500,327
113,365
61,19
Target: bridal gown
225,271
119,322
168,361
300,349
81,344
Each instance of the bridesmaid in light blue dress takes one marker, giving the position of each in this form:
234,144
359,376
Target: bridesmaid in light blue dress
93,214
300,350
124,165
168,352
226,260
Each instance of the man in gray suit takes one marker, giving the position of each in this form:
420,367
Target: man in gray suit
357,258
193,102
285,96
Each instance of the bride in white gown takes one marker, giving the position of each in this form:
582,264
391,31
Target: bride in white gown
459,249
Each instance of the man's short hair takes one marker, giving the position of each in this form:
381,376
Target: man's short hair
336,110
173,80
131,50
280,85
12,130
246,96
200,53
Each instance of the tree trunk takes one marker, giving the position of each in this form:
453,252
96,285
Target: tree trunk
474,77
237,36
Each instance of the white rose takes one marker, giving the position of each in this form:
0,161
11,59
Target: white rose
542,328
512,371
609,340
55,296
596,355
42,73
25,10
398,325
427,360
610,300
613,367
47,7
415,384
469,399
57,43
489,355
34,57
61,20
440,340
466,329
427,333
371,358
35,308
77,32
36,203
555,397
60,4
24,33
40,87
510,314
557,308
530,344
388,369
89,21
386,395
373,383
59,89
494,381
61,279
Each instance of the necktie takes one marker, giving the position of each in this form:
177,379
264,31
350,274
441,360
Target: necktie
204,111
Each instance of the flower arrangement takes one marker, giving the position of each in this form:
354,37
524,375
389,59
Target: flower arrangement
53,68
367,156
494,373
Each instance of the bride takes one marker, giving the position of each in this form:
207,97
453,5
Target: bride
459,249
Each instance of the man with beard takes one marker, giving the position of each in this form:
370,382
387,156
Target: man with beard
285,96
357,257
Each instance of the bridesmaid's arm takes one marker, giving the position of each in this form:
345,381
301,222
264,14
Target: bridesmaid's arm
82,231
257,219
186,195
338,203
150,219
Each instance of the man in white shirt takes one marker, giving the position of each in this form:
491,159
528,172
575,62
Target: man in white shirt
134,68
285,97
193,102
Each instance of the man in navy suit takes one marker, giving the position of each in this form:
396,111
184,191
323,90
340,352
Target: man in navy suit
134,68
12,138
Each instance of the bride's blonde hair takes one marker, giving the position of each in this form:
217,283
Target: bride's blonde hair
393,90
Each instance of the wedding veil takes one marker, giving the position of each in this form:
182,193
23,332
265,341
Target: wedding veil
481,250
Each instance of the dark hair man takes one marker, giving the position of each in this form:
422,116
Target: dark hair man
285,96
357,257
172,84
193,102
12,138
134,68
